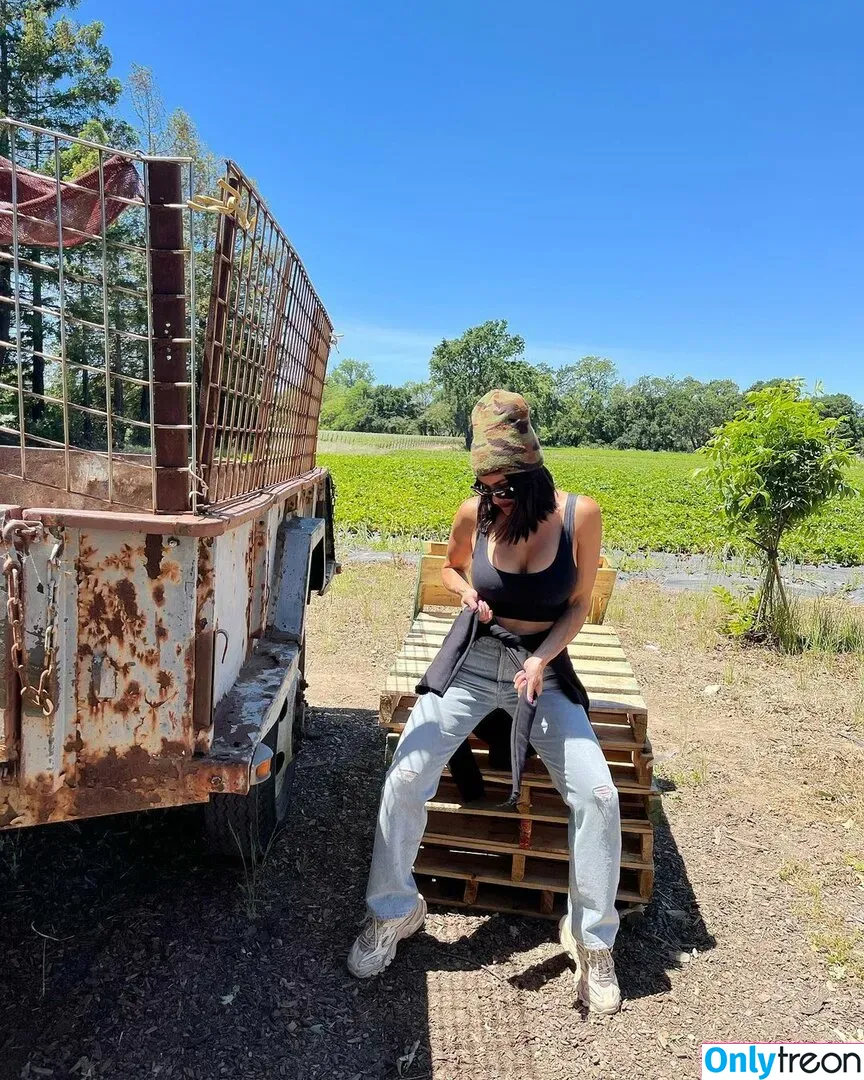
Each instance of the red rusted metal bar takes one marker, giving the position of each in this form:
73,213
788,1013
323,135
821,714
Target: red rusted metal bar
168,313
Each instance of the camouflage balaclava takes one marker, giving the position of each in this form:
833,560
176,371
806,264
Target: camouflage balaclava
504,440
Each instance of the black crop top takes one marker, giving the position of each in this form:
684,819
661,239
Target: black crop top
537,597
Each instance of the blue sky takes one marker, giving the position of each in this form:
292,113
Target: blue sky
678,186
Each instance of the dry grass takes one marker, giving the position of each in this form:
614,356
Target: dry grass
366,612
771,739
824,625
830,934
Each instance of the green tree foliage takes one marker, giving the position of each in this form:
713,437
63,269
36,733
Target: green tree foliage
350,372
850,414
701,408
353,402
665,413
586,402
54,74
149,108
583,391
468,366
774,465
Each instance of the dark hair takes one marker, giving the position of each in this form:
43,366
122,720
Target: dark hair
533,502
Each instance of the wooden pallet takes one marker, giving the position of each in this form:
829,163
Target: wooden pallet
528,846
484,887
617,710
631,770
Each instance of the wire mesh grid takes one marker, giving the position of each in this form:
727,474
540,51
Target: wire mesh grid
265,354
88,255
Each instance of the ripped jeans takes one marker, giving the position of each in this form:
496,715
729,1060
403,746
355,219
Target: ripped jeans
565,741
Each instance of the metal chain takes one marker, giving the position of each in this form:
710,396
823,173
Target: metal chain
12,572
39,695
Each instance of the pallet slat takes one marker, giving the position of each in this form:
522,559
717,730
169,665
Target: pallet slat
596,653
542,805
541,841
512,898
420,655
590,632
610,736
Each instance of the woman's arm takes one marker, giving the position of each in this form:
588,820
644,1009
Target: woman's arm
588,530
460,549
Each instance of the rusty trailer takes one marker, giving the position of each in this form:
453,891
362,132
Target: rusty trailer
164,523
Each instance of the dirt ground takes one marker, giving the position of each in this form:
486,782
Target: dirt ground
128,953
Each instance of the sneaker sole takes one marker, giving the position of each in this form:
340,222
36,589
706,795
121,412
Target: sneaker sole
412,928
584,1000
568,944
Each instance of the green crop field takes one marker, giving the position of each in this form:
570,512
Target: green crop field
650,501
371,442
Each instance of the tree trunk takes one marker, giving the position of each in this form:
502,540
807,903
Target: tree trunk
7,356
38,331
5,269
118,400
37,407
87,423
775,565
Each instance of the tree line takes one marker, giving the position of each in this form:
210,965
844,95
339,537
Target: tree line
583,403
57,74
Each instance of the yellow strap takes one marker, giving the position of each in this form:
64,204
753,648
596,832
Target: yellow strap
228,204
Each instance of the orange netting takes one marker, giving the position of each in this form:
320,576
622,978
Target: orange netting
80,208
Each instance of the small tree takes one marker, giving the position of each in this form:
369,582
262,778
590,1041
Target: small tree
774,464
349,372
467,367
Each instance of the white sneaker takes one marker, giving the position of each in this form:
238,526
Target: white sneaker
594,980
604,996
376,944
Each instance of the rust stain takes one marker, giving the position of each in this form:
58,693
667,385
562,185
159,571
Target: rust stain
113,611
159,593
153,556
171,571
204,581
189,656
125,591
74,744
124,559
128,701
112,783
198,662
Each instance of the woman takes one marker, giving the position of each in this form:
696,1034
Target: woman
532,553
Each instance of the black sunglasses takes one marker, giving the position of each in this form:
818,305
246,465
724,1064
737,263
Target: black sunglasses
501,491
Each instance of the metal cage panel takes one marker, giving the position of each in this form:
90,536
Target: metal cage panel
99,387
265,354
96,398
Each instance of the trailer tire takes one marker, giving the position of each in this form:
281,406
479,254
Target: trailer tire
243,826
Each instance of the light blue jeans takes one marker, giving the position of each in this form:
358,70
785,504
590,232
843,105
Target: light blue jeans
564,739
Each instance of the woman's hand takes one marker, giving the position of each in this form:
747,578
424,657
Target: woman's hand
472,601
530,679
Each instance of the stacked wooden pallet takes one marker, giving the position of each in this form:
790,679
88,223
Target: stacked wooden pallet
478,855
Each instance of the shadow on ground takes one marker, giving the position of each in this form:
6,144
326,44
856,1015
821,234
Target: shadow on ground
128,952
